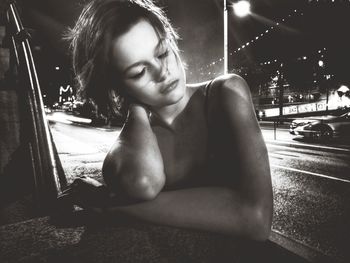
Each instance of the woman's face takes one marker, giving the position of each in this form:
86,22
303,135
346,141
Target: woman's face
150,69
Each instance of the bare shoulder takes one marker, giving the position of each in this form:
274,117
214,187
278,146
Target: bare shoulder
230,95
200,86
231,84
233,111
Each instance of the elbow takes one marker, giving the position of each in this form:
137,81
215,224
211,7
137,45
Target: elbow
138,186
131,181
260,227
143,187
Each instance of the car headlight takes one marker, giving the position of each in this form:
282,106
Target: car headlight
311,124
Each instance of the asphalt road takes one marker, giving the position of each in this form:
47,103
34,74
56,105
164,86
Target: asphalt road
311,181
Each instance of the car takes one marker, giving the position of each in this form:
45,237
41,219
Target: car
77,105
322,127
67,106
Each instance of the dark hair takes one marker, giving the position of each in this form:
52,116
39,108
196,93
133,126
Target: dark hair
100,22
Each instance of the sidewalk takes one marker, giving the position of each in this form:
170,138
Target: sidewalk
271,124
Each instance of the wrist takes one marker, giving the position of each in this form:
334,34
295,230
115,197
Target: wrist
141,110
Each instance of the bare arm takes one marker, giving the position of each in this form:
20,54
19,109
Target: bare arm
134,165
243,211
213,209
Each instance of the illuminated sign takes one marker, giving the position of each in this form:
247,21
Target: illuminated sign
301,108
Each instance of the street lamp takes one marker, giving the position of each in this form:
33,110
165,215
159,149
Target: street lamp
321,63
241,9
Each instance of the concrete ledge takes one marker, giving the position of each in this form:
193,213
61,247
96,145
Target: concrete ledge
85,238
308,253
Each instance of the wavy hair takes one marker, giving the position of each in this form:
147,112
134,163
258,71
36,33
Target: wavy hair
100,22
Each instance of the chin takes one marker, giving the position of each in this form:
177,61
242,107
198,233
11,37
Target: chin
171,100
175,96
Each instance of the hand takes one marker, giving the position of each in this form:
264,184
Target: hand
139,111
87,193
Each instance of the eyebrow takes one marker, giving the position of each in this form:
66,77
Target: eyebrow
159,44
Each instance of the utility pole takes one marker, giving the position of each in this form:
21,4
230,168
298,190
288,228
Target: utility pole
281,91
225,38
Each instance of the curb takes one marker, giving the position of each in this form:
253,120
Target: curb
302,250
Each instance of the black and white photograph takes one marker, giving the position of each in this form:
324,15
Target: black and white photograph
175,131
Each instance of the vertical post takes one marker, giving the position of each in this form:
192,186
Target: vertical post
280,96
225,38
49,179
327,97
281,91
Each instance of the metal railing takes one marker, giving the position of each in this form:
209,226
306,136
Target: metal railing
49,178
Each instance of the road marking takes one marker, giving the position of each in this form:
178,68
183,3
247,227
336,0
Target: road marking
311,173
108,129
282,154
57,119
308,145
278,146
271,128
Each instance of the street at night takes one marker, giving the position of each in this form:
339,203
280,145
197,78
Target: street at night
311,191
311,181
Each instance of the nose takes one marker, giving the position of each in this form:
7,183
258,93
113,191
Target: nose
161,71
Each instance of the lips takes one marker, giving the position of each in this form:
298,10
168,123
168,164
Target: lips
169,87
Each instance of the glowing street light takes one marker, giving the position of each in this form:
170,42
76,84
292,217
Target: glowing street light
241,9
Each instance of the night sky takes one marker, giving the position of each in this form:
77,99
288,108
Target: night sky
314,25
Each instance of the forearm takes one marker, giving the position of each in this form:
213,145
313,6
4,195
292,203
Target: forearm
214,209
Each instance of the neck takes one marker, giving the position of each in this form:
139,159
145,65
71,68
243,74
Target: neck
168,114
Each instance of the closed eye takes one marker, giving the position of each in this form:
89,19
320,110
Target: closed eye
138,75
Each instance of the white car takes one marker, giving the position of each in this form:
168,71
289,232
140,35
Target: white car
322,127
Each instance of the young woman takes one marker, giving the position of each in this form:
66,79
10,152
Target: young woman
188,155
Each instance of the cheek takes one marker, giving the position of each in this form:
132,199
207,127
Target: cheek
133,91
130,89
175,65
139,90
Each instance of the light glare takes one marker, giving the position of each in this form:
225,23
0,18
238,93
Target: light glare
241,8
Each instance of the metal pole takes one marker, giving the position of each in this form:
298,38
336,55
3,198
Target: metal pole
327,97
225,38
49,178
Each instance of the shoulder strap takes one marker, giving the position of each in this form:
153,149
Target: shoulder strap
206,102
